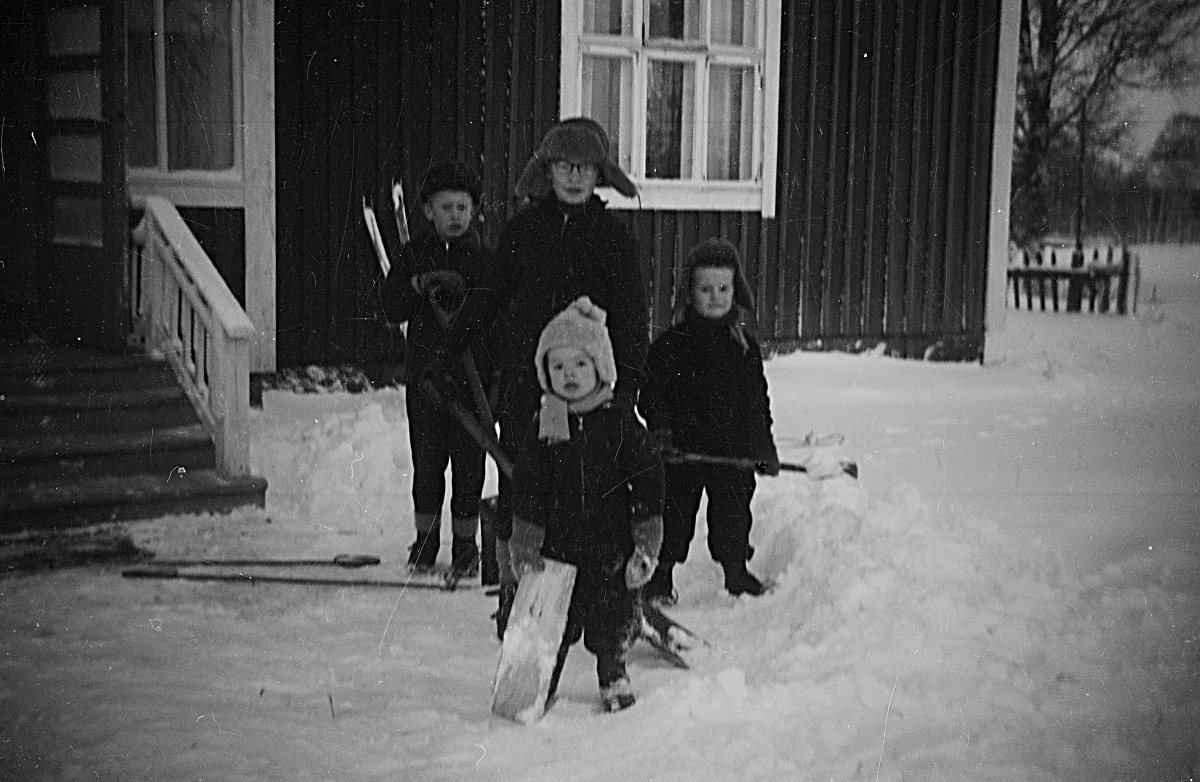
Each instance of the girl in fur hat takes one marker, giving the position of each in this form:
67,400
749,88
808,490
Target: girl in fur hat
564,244
588,490
706,393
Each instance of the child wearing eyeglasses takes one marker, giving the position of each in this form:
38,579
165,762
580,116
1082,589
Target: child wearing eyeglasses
564,244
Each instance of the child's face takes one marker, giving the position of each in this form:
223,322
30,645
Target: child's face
572,372
450,211
712,291
573,182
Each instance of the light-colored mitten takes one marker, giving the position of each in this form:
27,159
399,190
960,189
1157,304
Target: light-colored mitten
525,547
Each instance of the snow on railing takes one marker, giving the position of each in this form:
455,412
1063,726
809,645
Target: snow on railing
1080,278
183,310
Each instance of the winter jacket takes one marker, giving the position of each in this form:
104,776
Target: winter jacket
548,256
467,256
705,383
589,491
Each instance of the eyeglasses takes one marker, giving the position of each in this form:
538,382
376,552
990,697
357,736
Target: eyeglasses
564,168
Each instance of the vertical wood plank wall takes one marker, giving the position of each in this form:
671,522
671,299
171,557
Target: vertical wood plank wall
884,165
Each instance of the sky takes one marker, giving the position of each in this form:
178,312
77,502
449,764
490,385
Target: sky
1009,591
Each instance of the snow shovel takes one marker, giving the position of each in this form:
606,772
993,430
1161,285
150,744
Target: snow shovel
531,642
682,457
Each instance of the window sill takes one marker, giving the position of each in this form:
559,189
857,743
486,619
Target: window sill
220,189
677,196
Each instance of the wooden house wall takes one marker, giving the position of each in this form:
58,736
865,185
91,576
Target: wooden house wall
883,181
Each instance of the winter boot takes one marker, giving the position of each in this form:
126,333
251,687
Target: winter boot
660,589
422,554
617,695
464,557
739,581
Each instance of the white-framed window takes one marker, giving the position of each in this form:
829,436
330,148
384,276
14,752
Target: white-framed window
688,91
184,101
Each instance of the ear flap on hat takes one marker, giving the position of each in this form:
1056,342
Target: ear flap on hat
714,253
578,139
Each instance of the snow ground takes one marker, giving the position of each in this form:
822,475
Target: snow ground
1010,592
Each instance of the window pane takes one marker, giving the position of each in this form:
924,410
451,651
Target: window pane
75,158
735,22
73,30
676,19
608,17
199,84
608,99
142,138
78,221
730,123
670,118
73,94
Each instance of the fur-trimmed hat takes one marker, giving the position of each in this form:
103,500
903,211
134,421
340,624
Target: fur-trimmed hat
714,253
579,140
451,175
580,325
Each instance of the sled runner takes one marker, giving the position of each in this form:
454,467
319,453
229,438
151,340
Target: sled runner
531,641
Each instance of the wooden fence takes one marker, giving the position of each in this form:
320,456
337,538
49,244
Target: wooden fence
1107,281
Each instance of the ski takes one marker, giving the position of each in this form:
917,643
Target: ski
671,639
175,573
448,578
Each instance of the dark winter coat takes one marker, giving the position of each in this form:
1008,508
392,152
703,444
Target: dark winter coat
589,491
467,256
548,256
705,383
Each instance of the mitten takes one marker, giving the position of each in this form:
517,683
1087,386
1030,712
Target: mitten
647,543
525,547
769,466
639,568
660,440
443,285
767,461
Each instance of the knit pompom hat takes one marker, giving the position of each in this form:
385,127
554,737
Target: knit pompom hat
580,325
579,140
715,253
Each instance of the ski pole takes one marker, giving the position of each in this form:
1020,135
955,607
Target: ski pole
682,457
341,560
176,574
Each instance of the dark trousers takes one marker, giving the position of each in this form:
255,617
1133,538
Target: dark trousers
603,614
729,493
438,440
520,398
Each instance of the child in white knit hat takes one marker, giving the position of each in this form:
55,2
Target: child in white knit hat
588,490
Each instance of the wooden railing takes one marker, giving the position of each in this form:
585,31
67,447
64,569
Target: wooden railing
1105,281
183,310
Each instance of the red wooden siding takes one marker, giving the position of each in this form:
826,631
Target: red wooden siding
883,180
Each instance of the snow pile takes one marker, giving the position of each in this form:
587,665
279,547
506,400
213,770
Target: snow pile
1009,592
917,644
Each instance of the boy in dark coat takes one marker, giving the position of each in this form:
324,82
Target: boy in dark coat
706,393
563,245
428,284
588,490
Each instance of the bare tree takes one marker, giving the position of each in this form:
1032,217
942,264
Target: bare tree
1074,57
